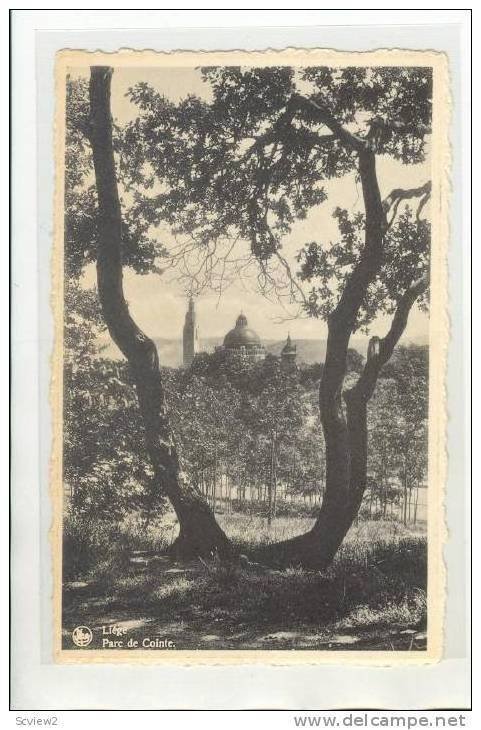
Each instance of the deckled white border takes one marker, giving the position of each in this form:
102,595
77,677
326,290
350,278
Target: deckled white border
442,685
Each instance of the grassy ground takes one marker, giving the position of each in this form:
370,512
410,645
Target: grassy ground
373,597
252,530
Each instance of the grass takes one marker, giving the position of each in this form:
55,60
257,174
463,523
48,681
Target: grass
374,593
96,546
252,530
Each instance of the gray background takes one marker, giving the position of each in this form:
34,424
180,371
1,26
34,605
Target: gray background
37,683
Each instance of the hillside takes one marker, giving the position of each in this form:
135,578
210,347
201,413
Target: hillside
308,351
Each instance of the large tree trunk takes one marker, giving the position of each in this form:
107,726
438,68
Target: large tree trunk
345,433
199,532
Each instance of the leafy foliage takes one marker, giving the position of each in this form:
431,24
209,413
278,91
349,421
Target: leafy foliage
140,249
398,427
254,158
258,402
405,258
105,464
393,102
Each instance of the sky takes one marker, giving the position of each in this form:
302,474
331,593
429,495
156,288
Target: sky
159,302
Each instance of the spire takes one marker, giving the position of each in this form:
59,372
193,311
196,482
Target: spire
289,354
289,348
190,334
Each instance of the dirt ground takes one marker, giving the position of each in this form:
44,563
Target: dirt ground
154,600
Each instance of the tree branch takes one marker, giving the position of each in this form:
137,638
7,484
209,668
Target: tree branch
402,127
324,115
380,350
397,195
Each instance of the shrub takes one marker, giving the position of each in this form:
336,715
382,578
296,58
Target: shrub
96,547
86,543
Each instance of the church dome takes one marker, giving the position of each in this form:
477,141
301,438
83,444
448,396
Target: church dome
241,335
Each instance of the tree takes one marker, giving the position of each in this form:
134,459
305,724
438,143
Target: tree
140,251
254,159
199,532
385,430
266,433
398,415
206,443
275,415
409,371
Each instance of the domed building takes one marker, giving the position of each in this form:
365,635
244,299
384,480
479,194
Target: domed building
241,341
244,341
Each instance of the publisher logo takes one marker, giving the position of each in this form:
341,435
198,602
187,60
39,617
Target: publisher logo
82,636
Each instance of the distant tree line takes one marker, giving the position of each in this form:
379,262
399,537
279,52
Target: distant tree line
248,434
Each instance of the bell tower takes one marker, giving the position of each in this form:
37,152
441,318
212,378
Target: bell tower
288,355
190,335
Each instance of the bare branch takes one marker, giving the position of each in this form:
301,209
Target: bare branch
294,284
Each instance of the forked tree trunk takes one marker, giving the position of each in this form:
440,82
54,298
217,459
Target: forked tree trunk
345,434
199,532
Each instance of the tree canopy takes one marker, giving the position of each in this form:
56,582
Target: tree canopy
257,155
141,248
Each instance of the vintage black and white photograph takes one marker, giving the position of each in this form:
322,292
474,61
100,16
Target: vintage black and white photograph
250,306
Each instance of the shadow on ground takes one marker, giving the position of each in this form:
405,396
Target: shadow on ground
377,604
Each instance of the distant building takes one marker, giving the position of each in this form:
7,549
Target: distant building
191,335
288,355
241,341
244,341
